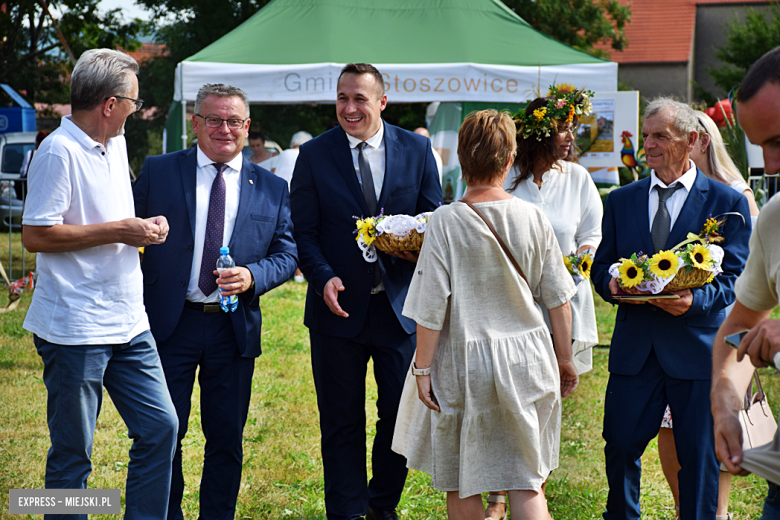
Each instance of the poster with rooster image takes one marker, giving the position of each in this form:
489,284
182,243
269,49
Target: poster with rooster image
600,134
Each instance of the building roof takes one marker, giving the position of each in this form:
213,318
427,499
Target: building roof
148,50
661,31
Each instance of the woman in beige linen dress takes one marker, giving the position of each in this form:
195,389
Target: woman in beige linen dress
492,397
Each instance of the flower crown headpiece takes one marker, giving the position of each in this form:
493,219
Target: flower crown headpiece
561,107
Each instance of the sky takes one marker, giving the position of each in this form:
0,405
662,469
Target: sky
129,9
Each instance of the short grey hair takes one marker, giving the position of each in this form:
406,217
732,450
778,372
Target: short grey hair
222,91
98,75
299,138
685,120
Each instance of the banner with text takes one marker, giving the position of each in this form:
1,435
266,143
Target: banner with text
404,83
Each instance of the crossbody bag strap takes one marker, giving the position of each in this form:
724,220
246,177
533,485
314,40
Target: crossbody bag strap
500,242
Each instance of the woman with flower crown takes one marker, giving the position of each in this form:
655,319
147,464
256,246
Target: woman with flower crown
545,174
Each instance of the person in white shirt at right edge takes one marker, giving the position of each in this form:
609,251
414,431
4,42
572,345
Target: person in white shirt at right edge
758,286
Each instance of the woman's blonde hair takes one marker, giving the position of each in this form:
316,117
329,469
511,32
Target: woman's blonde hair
486,142
722,167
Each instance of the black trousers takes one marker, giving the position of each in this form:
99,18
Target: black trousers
340,367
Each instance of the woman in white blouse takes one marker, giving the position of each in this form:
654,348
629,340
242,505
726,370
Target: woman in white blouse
545,174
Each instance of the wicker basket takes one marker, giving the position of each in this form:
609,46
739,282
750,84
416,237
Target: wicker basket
682,280
390,243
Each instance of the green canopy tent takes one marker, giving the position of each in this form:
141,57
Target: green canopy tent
292,51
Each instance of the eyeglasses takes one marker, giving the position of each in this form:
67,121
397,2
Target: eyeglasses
216,122
138,102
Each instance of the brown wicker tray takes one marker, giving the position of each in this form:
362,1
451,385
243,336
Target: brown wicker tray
682,280
390,243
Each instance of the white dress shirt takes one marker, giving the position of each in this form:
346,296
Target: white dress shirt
375,153
674,203
206,172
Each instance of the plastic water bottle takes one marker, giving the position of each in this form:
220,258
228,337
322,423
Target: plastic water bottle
225,261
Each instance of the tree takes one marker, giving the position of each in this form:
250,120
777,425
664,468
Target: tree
579,23
32,59
746,42
186,27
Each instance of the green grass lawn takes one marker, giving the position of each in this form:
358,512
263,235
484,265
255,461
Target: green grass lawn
282,476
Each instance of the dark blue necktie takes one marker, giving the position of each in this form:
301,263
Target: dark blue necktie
215,229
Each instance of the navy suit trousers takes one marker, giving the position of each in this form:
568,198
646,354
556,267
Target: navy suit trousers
206,340
633,409
340,366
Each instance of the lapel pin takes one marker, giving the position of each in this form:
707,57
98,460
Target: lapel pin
251,181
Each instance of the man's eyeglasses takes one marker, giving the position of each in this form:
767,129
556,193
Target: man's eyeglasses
138,102
216,122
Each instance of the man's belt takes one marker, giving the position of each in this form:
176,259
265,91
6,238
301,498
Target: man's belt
202,307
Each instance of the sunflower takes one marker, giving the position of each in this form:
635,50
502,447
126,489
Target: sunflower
585,262
567,263
700,256
664,264
564,88
630,274
366,229
710,279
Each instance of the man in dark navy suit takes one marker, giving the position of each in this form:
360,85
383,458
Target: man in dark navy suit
353,307
213,197
661,351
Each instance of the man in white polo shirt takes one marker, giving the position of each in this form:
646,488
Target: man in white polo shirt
87,313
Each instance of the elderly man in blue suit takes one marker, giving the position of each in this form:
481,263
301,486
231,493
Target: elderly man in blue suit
661,350
353,308
213,197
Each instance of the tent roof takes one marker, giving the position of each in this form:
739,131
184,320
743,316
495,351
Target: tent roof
288,32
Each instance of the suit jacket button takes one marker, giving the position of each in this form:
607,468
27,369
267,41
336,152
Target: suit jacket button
370,270
190,248
182,283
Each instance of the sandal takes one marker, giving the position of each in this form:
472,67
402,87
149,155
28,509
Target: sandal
498,499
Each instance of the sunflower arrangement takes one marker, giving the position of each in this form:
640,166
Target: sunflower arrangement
390,233
579,265
562,107
692,263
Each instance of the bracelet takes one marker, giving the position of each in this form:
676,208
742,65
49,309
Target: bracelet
420,371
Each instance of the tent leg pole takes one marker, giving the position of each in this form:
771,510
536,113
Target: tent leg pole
183,124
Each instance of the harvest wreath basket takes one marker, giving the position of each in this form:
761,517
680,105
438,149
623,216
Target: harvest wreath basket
692,263
390,233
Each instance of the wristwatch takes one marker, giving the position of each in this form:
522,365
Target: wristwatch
420,371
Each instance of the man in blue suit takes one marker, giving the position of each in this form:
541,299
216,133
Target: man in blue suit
213,197
661,351
353,307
